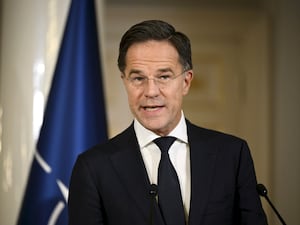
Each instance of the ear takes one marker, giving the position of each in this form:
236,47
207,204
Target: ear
188,77
122,75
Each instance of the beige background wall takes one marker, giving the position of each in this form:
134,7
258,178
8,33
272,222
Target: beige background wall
230,91
246,56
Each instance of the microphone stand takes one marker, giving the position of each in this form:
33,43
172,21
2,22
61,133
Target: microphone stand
153,194
262,191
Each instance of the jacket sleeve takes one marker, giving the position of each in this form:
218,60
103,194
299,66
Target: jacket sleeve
250,210
84,202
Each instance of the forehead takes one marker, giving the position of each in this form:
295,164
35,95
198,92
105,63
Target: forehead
152,54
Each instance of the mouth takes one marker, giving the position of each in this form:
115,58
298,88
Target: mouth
151,108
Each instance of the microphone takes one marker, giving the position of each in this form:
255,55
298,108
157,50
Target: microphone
153,190
262,191
153,194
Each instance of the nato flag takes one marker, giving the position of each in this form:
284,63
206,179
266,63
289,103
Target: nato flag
74,119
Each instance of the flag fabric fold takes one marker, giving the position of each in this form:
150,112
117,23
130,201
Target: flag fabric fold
74,119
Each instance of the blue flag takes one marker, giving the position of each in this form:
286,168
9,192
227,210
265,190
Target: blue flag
74,119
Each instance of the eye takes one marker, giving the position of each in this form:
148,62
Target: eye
164,77
137,78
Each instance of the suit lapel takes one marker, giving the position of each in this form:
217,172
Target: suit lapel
202,168
128,163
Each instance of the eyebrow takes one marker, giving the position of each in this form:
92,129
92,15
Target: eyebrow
162,70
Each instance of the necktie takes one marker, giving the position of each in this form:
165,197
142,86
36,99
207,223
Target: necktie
169,194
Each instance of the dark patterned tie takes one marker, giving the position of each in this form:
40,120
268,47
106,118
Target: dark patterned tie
169,194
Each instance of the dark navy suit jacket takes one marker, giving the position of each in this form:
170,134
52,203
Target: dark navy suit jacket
110,185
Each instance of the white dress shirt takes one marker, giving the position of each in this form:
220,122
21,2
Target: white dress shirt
179,155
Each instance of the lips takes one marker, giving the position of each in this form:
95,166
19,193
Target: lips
152,108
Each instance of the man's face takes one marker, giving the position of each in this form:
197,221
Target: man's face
156,105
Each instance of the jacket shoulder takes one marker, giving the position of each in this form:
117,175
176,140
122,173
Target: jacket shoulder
195,131
111,145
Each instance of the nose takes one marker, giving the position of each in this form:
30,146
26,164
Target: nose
151,89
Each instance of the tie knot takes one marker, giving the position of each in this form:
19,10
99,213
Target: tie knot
164,143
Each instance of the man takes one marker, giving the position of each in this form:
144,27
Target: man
121,182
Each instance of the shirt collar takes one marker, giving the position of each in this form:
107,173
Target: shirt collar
145,136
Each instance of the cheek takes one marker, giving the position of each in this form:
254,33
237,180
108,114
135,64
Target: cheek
180,91
132,97
175,97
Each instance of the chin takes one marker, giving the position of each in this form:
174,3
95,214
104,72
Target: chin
158,129
153,126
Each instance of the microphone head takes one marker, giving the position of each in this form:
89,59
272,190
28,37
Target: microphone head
153,190
262,190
